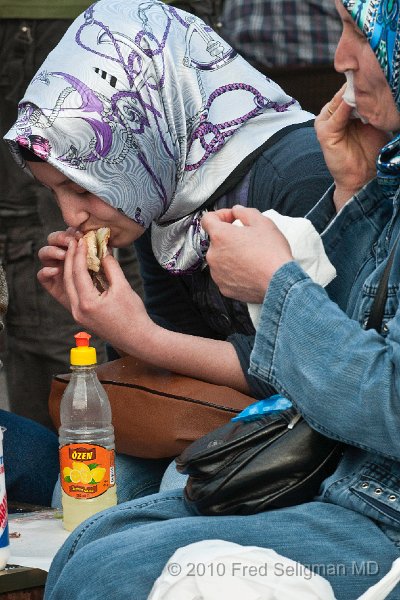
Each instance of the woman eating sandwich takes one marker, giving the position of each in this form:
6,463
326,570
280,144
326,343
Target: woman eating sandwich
141,120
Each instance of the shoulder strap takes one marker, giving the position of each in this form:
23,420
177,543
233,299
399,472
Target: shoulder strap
378,306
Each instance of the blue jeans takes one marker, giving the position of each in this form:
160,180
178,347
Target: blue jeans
30,459
32,467
172,479
131,543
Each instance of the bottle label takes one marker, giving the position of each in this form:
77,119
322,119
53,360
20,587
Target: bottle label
87,470
3,505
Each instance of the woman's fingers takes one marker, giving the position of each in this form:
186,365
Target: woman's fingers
214,218
62,238
341,113
330,109
69,283
336,114
113,272
247,216
337,98
49,272
332,128
51,278
212,224
51,255
215,222
80,270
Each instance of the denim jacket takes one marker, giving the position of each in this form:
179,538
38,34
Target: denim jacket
312,346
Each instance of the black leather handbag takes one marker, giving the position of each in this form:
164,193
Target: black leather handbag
275,461
249,467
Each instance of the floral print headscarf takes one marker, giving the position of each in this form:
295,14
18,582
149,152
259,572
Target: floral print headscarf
148,108
379,20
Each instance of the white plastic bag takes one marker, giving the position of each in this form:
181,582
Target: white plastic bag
216,570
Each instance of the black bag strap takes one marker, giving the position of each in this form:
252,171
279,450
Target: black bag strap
378,306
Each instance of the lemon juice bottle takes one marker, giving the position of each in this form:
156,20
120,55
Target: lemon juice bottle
86,438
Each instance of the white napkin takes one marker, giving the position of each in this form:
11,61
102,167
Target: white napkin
40,539
349,97
307,249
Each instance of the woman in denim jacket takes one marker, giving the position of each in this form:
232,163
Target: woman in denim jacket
312,346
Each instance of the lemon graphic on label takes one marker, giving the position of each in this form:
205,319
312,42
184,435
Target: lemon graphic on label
86,476
80,466
98,474
75,476
67,472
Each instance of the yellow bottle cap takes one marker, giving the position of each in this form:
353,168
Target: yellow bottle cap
83,354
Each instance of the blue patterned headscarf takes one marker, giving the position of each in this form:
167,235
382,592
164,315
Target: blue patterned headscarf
148,108
379,20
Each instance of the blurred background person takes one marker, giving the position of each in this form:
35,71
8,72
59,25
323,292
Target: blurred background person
273,33
290,41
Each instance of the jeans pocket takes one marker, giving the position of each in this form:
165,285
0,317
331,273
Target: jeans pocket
21,268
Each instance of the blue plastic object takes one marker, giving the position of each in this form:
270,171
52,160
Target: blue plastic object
273,404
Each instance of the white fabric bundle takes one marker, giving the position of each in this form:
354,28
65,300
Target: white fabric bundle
227,570
307,249
215,570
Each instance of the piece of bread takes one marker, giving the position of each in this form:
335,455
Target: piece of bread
102,237
92,260
96,241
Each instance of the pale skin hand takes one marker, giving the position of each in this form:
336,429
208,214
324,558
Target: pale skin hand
243,260
119,316
350,147
52,257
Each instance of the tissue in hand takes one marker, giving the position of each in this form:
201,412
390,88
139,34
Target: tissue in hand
307,250
350,98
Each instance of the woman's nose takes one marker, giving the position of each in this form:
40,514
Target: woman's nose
345,59
74,214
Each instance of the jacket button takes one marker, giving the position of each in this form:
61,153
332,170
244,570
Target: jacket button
385,328
392,497
365,485
378,491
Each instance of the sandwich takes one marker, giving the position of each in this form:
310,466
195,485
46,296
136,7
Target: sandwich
96,242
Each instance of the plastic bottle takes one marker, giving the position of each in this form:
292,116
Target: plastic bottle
86,438
4,541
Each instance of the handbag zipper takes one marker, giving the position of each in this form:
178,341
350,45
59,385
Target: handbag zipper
294,421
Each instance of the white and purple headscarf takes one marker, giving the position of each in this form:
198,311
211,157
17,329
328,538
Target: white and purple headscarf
148,108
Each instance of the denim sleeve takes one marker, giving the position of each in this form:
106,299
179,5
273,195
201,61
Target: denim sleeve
342,378
243,345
